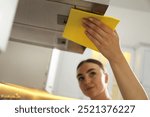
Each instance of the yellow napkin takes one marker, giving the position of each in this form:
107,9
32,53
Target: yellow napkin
74,30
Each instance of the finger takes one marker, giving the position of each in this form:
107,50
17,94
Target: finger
97,22
92,32
95,35
85,26
115,32
90,25
97,43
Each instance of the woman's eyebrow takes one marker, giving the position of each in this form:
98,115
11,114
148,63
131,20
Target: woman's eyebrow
89,70
79,75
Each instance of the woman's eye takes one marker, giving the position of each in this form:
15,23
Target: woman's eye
92,74
81,78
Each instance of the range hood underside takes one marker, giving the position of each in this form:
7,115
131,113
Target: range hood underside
41,22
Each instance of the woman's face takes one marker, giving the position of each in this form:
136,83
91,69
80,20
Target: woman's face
91,79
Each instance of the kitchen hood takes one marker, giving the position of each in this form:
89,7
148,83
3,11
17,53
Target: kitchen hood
41,22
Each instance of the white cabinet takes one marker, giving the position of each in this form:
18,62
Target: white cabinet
62,76
7,12
25,65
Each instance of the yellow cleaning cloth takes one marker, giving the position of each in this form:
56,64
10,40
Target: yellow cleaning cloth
74,30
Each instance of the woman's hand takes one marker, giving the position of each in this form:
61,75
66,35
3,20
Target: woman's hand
105,39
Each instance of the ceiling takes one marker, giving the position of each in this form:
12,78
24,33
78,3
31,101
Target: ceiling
141,5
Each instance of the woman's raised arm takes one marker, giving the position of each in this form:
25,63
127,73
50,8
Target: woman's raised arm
107,42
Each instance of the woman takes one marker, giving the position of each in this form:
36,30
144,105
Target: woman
107,42
92,79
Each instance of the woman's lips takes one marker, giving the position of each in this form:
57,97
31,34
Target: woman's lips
88,88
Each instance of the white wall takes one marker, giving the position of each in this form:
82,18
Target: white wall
134,26
25,65
66,83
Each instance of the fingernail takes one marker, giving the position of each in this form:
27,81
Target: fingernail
91,19
86,32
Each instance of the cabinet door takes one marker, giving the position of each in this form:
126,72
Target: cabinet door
146,69
24,64
142,67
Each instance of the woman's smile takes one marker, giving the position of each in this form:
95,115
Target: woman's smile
89,88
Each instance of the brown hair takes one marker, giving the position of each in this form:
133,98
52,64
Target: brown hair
91,61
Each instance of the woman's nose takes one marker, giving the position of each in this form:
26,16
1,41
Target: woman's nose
87,80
